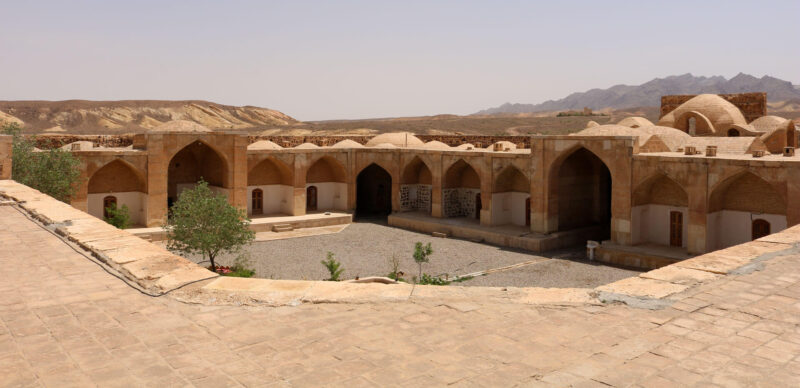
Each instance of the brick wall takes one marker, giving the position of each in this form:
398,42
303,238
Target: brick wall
752,105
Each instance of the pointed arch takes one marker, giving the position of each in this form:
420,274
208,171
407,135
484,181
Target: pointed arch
660,189
416,186
373,191
580,191
117,176
511,197
745,191
270,171
326,169
195,161
461,188
511,179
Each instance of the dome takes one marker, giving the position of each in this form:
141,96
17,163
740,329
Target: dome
181,126
635,122
436,145
347,143
767,123
264,145
384,145
79,146
671,138
591,124
306,146
503,145
465,146
710,110
399,139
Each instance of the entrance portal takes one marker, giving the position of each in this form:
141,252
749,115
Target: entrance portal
373,192
676,229
584,194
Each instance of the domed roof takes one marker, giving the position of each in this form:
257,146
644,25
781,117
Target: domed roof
671,137
306,146
719,112
347,143
465,146
767,123
635,122
591,124
504,145
181,126
264,145
436,145
399,139
385,145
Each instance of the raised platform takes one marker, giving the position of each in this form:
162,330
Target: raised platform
512,236
647,256
266,223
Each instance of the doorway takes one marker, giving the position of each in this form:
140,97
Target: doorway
311,198
761,228
675,229
528,211
478,206
258,201
109,202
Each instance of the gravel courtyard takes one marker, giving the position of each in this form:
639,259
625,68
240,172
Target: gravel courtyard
364,249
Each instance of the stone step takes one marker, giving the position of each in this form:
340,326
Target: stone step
282,228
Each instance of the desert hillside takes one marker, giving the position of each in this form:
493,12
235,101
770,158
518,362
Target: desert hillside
112,117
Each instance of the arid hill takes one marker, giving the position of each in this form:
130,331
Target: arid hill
112,117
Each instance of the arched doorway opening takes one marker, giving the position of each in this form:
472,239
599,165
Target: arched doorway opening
328,177
659,212
373,192
416,187
733,132
511,198
583,194
122,182
194,162
736,203
462,186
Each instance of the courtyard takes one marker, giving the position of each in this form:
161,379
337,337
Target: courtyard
365,248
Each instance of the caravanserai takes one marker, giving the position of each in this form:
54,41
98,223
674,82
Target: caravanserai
705,176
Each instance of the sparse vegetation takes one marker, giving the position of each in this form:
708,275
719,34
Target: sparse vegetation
396,274
202,222
333,267
426,279
241,267
421,255
118,216
54,172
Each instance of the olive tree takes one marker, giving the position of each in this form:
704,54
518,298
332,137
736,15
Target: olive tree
204,223
54,172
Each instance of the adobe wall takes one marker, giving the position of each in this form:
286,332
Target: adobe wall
752,105
5,156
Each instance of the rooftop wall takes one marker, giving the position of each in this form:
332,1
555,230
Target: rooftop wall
752,105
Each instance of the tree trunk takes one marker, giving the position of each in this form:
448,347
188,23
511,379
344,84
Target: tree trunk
213,266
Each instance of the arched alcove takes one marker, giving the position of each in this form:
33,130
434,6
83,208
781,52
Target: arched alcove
581,189
511,197
272,180
120,180
194,162
373,192
461,187
328,176
416,187
660,212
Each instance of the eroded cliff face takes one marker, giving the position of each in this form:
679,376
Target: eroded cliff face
104,117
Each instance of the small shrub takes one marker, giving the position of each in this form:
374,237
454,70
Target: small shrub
395,274
333,267
462,279
433,280
421,253
241,267
118,216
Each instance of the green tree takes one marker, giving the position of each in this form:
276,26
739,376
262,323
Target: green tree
54,172
421,253
118,216
202,222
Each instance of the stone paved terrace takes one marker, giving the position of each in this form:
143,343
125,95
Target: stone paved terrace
65,321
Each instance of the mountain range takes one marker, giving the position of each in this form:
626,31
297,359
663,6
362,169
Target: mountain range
649,93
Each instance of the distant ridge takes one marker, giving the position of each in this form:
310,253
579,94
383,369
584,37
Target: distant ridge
649,93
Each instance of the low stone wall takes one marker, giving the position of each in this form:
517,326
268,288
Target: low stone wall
5,157
47,142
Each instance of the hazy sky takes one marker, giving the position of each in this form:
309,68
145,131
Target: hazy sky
356,59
